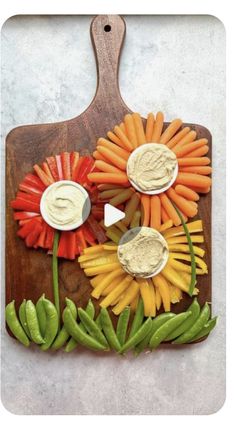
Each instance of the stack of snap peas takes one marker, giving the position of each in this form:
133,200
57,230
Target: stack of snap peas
40,324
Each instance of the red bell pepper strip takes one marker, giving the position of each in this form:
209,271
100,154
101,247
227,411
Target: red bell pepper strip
65,161
23,215
33,180
32,237
85,169
93,194
43,177
27,228
71,245
47,171
62,247
88,234
98,213
78,168
42,236
49,237
97,229
23,205
59,167
26,197
81,242
74,159
25,187
53,167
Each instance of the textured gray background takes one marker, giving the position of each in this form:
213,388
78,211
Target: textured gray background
175,64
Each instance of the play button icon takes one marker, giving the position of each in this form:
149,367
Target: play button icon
112,215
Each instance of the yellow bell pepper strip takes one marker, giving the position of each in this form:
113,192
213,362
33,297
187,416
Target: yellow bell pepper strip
134,303
185,249
199,262
175,294
93,250
110,247
158,298
129,296
183,239
101,269
116,292
165,226
171,275
106,281
147,296
161,283
193,227
183,267
113,284
87,257
99,261
97,279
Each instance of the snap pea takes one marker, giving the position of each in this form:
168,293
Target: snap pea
32,323
196,327
138,336
78,334
156,323
90,310
162,332
195,309
41,314
98,321
22,316
138,318
205,330
122,325
109,331
63,335
92,327
52,324
14,324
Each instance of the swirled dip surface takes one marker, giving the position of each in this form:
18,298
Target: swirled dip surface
142,251
152,166
64,204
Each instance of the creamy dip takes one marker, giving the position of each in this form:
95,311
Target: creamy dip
143,252
152,167
64,204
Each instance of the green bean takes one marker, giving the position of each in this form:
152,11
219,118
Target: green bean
90,310
156,323
32,322
92,327
138,318
122,325
196,327
162,332
22,316
41,314
14,324
205,330
78,334
138,336
195,309
109,331
63,335
52,324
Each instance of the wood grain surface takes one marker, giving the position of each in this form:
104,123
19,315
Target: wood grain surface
28,271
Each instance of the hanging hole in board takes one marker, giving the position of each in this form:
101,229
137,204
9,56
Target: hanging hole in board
107,28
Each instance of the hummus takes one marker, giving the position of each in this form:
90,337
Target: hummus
152,167
143,252
64,204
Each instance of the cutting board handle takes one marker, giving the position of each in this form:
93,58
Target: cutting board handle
107,34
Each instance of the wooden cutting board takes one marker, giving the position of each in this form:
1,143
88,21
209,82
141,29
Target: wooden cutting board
28,271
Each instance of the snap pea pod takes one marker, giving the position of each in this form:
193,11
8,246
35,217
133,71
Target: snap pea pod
195,309
98,321
208,327
63,335
32,323
41,314
156,323
90,310
78,334
138,336
14,324
138,318
162,332
22,316
196,327
92,327
109,331
122,325
52,324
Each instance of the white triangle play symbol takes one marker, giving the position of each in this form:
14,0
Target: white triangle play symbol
112,215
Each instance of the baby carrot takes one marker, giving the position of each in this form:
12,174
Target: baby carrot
193,180
203,170
116,160
139,128
106,177
194,161
187,148
125,141
145,205
149,127
202,151
131,132
188,193
157,129
164,215
201,189
155,212
189,138
170,131
170,210
130,208
106,167
122,197
117,150
43,176
178,137
98,156
166,225
183,204
113,137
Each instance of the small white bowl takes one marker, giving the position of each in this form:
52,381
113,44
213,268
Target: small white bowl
85,210
136,230
150,192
